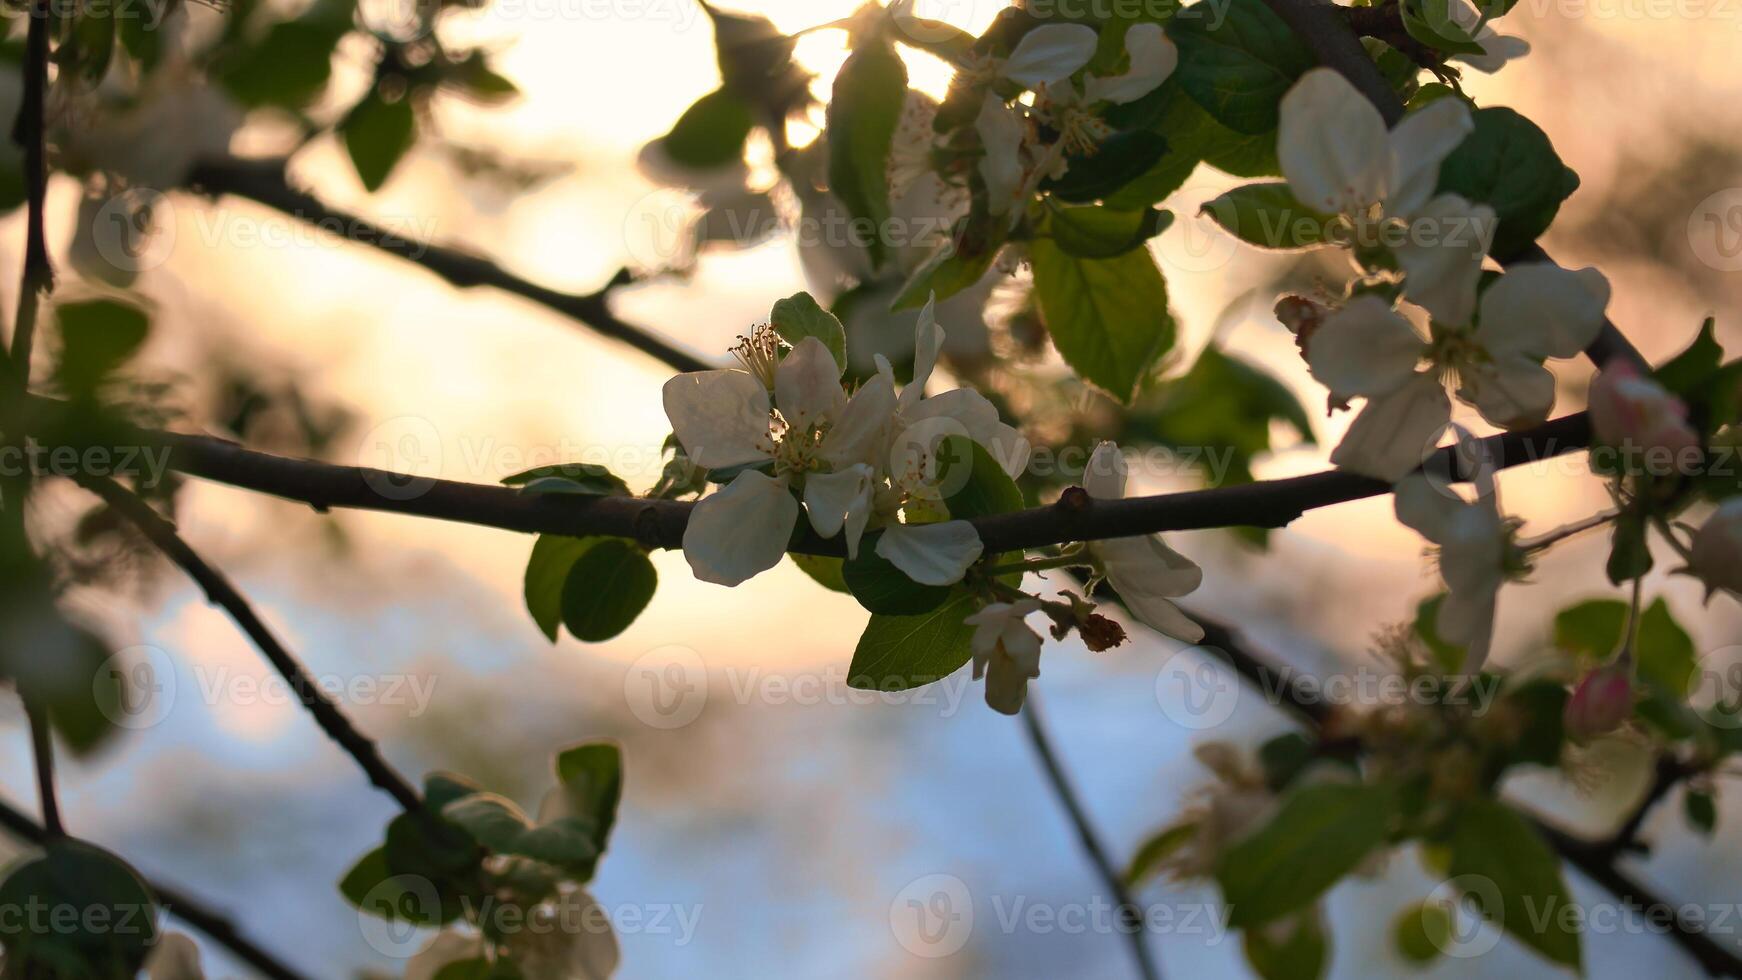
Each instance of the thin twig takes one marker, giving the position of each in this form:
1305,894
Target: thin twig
42,754
222,593
28,133
263,182
1131,916
216,926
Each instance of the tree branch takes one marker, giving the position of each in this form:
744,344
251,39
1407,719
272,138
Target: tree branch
42,753
27,132
1131,916
222,593
176,902
660,523
263,181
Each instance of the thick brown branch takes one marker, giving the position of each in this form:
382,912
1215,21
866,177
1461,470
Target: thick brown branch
176,902
660,523
222,593
263,182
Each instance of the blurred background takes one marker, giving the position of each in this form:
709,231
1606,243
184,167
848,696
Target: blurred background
778,822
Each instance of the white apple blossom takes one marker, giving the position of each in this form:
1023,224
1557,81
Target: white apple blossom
813,436
1371,349
1006,652
175,956
1341,160
1716,556
1143,570
1478,552
1043,62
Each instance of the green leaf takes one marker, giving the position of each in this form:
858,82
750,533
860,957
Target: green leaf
1701,811
1629,550
1119,160
798,316
973,482
1431,23
825,570
546,571
1320,833
97,337
607,587
884,589
1107,317
1097,232
1540,726
1422,931
493,821
1156,849
1220,414
586,479
1665,653
377,133
288,68
899,653
711,132
1492,841
75,911
1284,757
1236,60
1300,952
1591,628
944,273
870,93
1510,165
591,775
1268,216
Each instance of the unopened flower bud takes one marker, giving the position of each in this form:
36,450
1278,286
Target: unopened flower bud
1301,316
1717,550
1633,411
1601,701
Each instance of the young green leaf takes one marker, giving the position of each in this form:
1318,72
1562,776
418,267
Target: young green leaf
886,590
1511,866
870,93
1096,232
546,571
1321,833
607,587
1236,60
1268,216
899,653
1509,164
377,133
711,132
586,479
799,316
97,337
75,911
1107,317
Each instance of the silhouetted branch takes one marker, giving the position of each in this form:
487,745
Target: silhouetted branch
263,181
222,593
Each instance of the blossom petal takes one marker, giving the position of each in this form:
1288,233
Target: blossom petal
1542,310
1011,666
979,420
447,947
837,500
1050,54
1511,392
1146,566
1466,619
720,417
1104,476
1419,143
1396,431
1365,348
858,433
1153,59
741,530
1441,255
1425,506
1332,144
1000,131
807,385
1164,617
931,554
928,339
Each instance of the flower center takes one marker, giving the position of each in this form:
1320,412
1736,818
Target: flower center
760,353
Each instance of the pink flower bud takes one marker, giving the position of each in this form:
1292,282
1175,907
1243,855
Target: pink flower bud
1635,413
1601,701
1717,550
